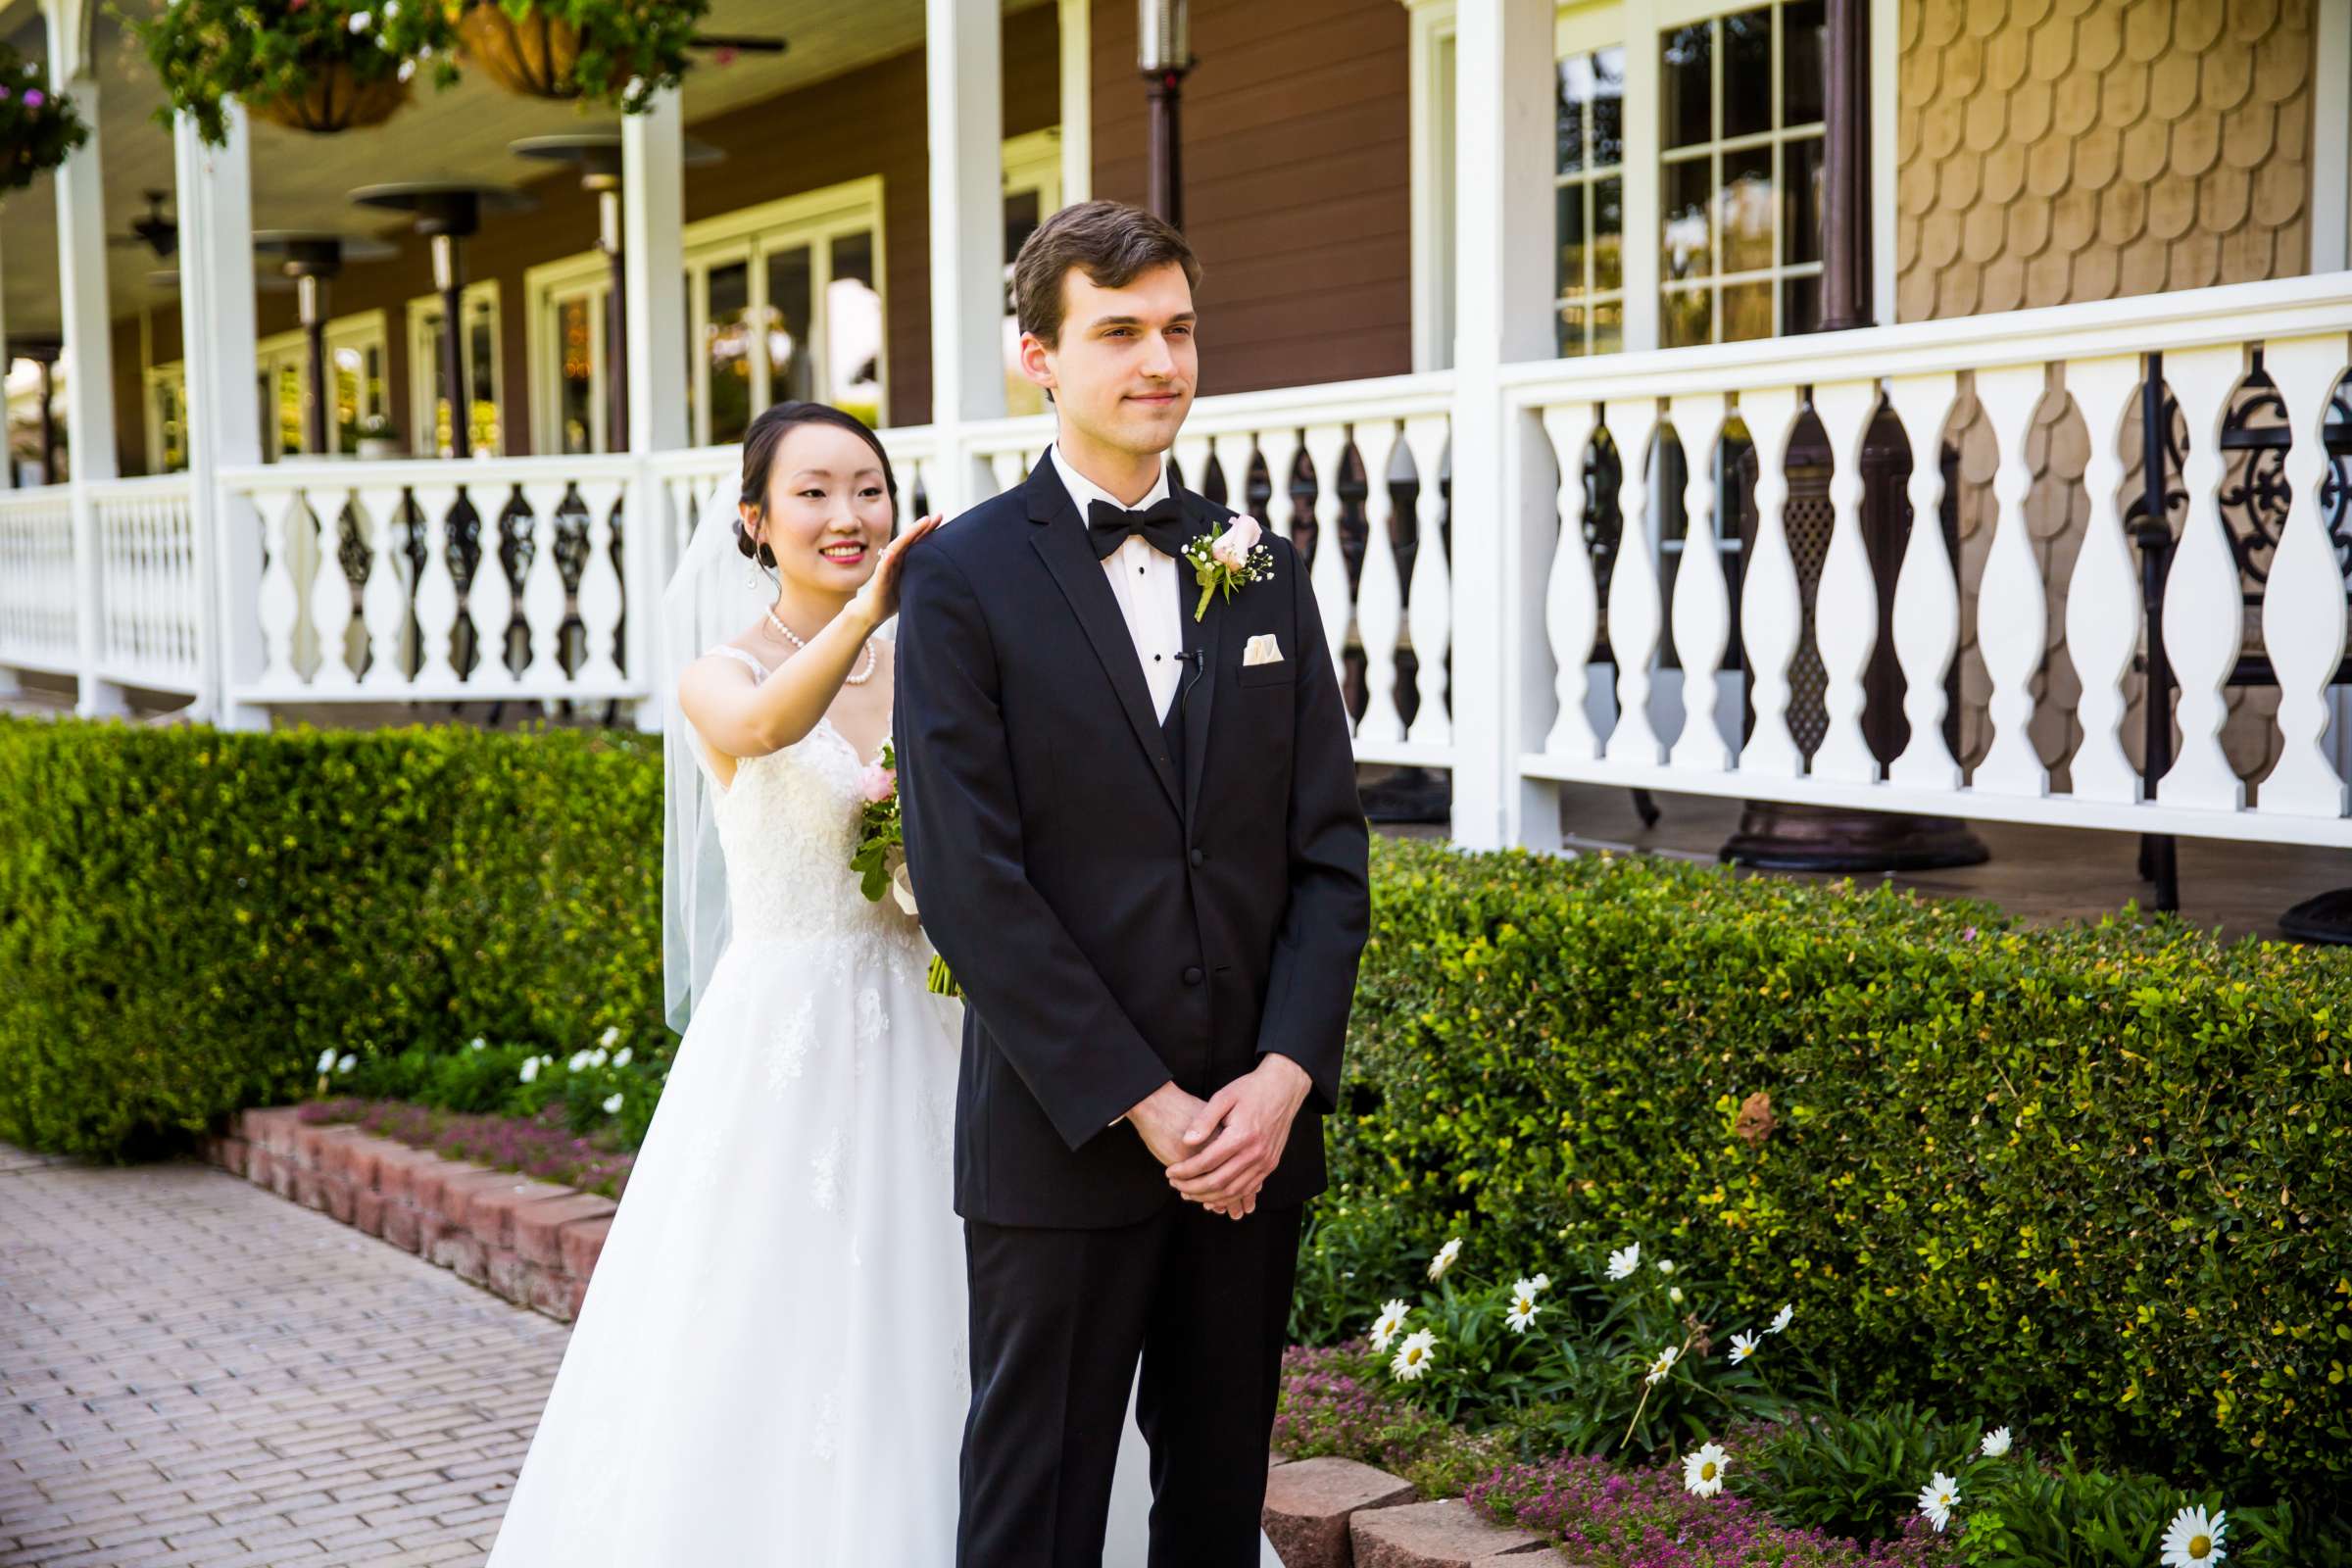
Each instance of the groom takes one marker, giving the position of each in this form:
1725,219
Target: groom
1135,836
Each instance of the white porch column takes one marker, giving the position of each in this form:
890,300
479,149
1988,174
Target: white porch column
224,431
81,296
652,223
1077,35
963,58
1502,486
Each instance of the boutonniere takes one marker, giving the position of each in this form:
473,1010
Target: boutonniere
1230,558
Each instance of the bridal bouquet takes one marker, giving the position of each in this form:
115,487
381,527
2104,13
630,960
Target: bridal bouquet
881,857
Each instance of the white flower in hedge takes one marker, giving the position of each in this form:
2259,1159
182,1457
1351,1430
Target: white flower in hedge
1744,1345
1542,1282
1385,1327
327,1061
613,1105
360,21
2193,1540
620,1057
1624,1261
530,1069
598,1056
1938,1499
579,1062
348,1063
1438,1264
477,1042
1702,1470
1780,1319
1664,1363
1522,1311
1414,1356
1665,1266
1674,1293
1996,1443
610,1037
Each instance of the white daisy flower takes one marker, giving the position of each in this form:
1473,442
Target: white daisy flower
530,1069
360,21
620,1057
1938,1499
578,1061
1665,1266
1744,1345
598,1056
348,1063
1414,1356
1523,1310
2193,1540
1542,1282
1702,1470
610,1037
1624,1261
327,1061
613,1105
1674,1293
1438,1264
1663,1364
1996,1443
477,1042
1780,1319
1386,1326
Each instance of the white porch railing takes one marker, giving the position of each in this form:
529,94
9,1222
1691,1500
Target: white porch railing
38,628
152,603
1604,723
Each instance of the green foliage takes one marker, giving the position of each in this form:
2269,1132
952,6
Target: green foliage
1854,1475
2066,1515
2089,1181
629,49
205,52
39,127
189,917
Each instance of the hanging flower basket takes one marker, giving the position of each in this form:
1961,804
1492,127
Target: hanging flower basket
321,65
613,54
37,128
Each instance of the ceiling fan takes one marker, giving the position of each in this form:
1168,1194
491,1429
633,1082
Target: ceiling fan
153,229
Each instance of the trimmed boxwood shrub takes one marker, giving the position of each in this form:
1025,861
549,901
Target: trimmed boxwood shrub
188,916
2091,1179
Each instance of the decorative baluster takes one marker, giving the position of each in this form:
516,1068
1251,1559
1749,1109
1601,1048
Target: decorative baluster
1926,594
2102,597
1845,603
1634,613
1233,449
1378,596
543,586
1280,449
1327,449
2012,606
1702,606
1430,617
1571,600
599,595
1006,469
277,603
436,599
384,601
330,596
2303,602
146,521
2204,603
1192,461
490,604
1771,606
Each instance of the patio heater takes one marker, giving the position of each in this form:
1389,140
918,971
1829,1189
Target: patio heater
446,212
596,154
1163,54
313,258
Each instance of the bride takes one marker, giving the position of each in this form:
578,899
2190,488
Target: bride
769,1365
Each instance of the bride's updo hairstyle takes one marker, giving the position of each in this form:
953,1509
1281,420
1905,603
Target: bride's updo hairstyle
759,446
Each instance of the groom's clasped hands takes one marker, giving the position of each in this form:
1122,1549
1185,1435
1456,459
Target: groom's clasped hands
1219,1152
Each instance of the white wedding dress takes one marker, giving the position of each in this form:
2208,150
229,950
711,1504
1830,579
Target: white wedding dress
769,1369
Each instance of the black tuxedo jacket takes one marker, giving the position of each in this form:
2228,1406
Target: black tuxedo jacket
1118,916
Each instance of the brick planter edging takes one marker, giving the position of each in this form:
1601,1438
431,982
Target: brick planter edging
532,1242
1337,1513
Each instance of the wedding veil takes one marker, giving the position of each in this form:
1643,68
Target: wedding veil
713,594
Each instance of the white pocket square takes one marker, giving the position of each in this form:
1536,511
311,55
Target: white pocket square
1262,649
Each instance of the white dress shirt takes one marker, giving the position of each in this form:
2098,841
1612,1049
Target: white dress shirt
1142,580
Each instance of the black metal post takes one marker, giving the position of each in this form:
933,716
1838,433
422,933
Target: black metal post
450,280
2158,853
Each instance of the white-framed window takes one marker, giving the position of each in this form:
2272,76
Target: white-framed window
356,350
1588,183
1033,177
429,429
167,411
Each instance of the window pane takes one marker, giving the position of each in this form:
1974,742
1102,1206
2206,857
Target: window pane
289,409
791,294
1572,331
1608,107
1804,63
1689,235
1800,305
481,353
1683,317
853,330
727,351
1568,117
349,366
575,386
1608,328
1687,86
1747,74
1568,273
1801,162
1746,312
1745,209
1608,233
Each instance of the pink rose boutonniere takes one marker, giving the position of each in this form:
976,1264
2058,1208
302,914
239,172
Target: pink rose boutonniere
1231,557
880,861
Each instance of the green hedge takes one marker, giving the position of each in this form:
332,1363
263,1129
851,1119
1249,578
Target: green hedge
2089,1181
188,917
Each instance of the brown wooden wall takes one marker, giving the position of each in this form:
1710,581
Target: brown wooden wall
1297,194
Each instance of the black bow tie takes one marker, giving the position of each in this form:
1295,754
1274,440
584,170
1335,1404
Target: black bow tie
1161,524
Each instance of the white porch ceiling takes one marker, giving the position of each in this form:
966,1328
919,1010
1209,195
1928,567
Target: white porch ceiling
300,180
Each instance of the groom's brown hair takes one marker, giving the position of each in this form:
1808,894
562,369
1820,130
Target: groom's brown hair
1111,242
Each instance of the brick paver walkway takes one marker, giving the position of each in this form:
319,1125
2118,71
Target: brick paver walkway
195,1372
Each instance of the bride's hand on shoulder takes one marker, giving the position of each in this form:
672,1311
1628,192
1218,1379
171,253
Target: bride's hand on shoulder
878,600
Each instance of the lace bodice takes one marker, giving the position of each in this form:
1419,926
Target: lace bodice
788,825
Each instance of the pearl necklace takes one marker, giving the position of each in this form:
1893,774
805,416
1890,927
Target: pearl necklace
789,635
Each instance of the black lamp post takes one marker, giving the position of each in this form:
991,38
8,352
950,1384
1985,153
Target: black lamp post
1163,54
